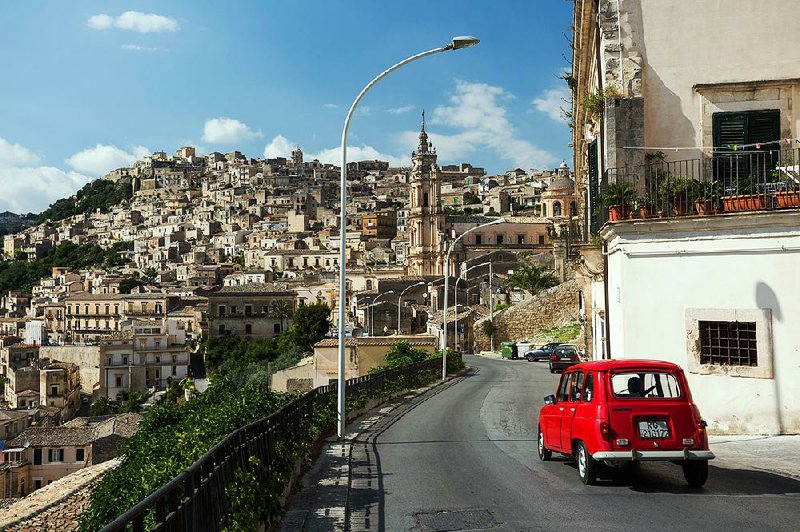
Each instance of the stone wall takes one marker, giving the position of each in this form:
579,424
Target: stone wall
552,307
86,357
57,506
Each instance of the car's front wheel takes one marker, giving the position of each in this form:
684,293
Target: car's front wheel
587,466
544,454
530,358
695,472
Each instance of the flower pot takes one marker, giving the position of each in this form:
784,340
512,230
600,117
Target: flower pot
788,199
680,207
744,202
618,212
706,207
647,212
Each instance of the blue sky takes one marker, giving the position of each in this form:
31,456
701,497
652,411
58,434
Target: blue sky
90,86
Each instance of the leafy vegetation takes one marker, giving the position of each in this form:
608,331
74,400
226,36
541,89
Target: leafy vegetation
531,277
563,333
98,194
130,403
19,274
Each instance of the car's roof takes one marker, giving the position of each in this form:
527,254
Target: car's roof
613,364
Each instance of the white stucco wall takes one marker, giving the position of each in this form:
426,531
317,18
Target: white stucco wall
685,43
658,270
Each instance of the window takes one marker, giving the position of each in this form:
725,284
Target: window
563,388
588,390
248,329
37,457
478,240
577,387
174,371
520,239
248,310
116,309
221,310
55,455
108,309
748,127
158,308
118,381
276,328
97,309
221,329
80,455
425,200
54,390
499,239
541,240
573,209
125,361
37,483
544,210
728,343
233,310
556,208
645,385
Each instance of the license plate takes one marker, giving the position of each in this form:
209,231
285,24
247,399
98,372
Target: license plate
653,430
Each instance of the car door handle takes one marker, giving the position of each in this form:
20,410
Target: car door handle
571,409
561,409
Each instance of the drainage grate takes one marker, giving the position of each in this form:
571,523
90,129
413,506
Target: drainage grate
446,520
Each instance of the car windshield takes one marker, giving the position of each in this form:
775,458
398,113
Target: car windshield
645,385
566,351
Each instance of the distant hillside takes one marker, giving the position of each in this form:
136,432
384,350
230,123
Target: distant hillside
14,223
99,194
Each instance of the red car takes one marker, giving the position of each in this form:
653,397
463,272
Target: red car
621,411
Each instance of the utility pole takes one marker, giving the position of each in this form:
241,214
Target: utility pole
491,307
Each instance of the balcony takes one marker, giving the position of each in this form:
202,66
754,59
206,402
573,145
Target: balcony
735,181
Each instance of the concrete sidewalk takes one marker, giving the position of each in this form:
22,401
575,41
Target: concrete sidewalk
773,454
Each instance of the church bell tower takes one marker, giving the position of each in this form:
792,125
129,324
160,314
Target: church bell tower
426,215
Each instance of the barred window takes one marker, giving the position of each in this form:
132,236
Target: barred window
728,343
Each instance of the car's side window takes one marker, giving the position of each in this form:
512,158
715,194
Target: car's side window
576,387
588,389
563,388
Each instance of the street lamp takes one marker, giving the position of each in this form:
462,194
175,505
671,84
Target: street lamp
447,286
400,298
372,311
456,43
463,276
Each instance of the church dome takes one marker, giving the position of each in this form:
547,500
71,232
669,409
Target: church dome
562,182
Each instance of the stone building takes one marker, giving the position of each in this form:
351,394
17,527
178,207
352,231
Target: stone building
44,383
252,310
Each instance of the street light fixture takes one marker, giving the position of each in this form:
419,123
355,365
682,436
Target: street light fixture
372,311
456,43
463,276
447,286
400,298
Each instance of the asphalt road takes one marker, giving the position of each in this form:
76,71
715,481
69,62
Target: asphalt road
464,458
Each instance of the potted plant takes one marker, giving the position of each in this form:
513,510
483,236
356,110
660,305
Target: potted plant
747,197
678,192
646,207
618,197
708,198
789,195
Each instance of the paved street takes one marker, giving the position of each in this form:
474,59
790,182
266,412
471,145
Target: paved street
463,457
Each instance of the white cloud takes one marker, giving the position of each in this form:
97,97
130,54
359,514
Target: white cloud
137,48
227,131
551,102
33,189
134,21
400,110
103,158
280,146
330,106
355,153
476,110
12,155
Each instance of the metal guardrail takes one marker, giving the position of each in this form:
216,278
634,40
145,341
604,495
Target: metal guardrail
195,499
729,181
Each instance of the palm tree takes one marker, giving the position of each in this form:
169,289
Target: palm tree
531,277
281,310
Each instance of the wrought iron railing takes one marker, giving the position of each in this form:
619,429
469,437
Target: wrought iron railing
730,181
196,499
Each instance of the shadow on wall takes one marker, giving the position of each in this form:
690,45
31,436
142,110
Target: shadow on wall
767,298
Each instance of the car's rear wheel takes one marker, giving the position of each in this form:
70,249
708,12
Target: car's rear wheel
530,358
544,454
695,472
587,466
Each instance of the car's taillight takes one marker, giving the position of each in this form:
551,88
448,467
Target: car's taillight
700,435
553,358
605,431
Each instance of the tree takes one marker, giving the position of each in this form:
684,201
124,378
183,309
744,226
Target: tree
310,324
401,354
149,275
531,277
280,310
238,259
129,283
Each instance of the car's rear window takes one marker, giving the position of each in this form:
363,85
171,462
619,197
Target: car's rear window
645,385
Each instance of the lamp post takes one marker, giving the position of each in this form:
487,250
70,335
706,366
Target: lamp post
400,298
463,276
447,286
456,43
372,311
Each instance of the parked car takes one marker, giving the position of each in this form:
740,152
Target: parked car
542,353
564,356
621,411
